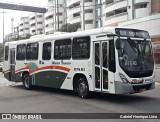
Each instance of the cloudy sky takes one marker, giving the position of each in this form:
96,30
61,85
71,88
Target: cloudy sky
15,14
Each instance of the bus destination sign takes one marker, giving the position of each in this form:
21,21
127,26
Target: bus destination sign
132,33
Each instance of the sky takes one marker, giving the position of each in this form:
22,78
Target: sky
16,14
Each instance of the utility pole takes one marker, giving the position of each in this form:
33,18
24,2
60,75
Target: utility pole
3,12
12,25
58,14
83,15
55,15
66,15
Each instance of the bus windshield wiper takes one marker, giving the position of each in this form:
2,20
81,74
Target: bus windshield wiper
132,44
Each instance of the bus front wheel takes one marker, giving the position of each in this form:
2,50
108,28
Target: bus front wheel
26,82
82,88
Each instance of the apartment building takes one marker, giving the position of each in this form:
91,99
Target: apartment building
55,16
76,13
117,11
24,27
36,23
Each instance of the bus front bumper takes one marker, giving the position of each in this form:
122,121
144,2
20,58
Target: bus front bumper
121,88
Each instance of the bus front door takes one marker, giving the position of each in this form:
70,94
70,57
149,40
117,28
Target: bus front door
12,65
101,65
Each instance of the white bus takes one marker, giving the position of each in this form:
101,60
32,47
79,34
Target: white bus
108,60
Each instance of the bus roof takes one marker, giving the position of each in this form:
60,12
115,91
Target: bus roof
62,35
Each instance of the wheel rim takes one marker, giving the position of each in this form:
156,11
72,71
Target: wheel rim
82,89
26,82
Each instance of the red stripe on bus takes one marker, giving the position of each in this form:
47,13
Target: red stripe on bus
44,68
6,71
61,68
21,69
54,67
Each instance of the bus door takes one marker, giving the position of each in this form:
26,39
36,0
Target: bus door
43,76
101,65
12,65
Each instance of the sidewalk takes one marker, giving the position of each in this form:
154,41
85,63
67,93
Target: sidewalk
5,82
157,77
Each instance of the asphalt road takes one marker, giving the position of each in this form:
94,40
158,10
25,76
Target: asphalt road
15,99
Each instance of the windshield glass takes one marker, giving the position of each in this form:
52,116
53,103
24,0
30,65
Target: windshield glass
135,55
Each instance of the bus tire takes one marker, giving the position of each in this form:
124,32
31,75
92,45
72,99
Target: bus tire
82,88
26,82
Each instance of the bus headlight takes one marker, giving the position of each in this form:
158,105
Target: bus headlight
123,78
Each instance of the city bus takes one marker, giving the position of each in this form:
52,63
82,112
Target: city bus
107,60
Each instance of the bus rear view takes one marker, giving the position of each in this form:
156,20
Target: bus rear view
135,61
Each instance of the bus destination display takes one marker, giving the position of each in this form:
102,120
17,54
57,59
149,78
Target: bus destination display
132,33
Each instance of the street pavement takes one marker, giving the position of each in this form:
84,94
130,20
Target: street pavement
15,99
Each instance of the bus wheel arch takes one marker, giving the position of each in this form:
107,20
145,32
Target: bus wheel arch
24,73
26,80
80,85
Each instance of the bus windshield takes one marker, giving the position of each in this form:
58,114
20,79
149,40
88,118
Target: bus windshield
135,55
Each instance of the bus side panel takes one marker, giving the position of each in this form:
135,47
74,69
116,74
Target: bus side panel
52,79
82,67
6,69
111,80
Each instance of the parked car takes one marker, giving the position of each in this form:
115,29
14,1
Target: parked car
1,66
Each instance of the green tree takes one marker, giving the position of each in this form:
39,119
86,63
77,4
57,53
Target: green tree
70,27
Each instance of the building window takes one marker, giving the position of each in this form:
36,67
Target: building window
76,15
39,16
62,49
21,52
32,51
81,48
39,23
46,51
89,22
6,53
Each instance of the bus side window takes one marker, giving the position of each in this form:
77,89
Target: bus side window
62,49
46,51
6,53
21,52
32,51
81,48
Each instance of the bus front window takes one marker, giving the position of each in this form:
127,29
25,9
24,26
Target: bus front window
135,55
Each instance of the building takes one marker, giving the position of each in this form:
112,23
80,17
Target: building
55,16
117,11
15,32
12,36
79,10
36,23
24,27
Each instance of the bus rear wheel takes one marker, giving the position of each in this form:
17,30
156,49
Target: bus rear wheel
26,82
82,88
